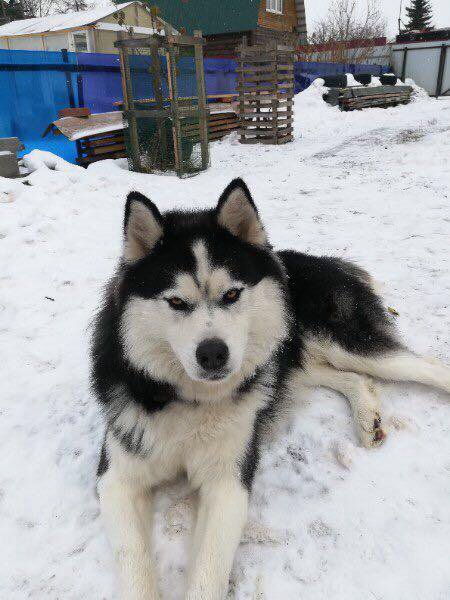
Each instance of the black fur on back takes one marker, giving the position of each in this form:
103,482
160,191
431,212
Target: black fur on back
333,298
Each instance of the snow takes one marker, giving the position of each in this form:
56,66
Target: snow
328,519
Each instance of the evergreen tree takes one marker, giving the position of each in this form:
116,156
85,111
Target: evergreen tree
420,15
10,10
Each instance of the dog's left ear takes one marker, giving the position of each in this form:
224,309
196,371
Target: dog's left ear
237,212
143,227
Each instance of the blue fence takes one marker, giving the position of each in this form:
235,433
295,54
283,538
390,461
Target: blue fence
35,85
306,72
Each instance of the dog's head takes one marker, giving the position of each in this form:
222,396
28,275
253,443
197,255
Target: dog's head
203,300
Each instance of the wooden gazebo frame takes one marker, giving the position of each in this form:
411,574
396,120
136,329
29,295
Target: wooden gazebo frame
197,105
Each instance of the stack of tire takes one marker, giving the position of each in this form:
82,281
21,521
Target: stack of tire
340,81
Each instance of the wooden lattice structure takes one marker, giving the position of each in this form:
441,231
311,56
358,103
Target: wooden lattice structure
156,113
266,94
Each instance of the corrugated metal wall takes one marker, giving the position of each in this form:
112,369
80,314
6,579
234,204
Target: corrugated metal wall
428,63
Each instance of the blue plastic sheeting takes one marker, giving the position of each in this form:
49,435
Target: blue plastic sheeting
306,72
102,87
220,76
33,88
35,85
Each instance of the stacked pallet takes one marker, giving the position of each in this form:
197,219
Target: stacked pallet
220,124
357,98
266,92
100,146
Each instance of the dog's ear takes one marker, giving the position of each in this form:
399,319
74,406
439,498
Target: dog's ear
237,212
143,227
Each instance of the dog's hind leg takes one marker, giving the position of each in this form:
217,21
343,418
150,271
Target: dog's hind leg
361,394
397,365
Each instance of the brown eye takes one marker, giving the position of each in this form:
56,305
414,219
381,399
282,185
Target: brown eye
177,303
231,296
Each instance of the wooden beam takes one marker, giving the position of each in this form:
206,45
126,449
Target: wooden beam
202,106
128,103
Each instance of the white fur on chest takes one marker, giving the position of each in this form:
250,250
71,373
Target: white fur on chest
204,441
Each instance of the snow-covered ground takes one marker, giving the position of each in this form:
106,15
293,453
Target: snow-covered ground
328,518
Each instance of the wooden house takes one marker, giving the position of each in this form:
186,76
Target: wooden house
225,22
93,30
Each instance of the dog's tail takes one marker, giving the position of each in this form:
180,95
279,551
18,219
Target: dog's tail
397,365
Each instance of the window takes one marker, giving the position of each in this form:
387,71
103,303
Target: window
275,6
80,42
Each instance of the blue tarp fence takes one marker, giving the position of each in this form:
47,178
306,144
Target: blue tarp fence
35,85
306,72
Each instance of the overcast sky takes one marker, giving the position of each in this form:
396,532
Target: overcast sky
315,9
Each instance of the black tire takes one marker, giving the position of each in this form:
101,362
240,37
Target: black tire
338,81
388,79
363,78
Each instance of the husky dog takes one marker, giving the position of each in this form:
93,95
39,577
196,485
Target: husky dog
204,335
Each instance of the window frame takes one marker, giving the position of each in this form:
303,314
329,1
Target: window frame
74,43
275,7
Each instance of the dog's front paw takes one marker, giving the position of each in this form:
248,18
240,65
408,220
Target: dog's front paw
373,435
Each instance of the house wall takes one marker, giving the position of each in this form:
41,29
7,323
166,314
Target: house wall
29,42
134,15
56,41
286,22
98,41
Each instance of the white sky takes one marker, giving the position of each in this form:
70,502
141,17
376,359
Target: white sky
315,9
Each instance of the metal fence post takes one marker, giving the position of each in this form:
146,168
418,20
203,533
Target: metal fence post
440,75
69,85
405,56
80,90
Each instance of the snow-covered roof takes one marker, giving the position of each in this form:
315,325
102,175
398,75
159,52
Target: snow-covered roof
59,22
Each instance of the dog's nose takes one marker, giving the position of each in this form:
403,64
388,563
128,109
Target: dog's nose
212,355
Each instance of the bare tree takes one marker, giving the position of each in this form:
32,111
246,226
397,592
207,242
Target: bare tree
65,6
346,34
37,8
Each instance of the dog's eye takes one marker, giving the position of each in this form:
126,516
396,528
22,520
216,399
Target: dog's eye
177,303
231,296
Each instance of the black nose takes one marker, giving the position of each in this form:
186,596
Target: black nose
212,355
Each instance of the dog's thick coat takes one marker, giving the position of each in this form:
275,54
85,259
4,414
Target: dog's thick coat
204,335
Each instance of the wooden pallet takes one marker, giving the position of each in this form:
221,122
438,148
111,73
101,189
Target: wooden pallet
357,98
219,125
101,146
266,91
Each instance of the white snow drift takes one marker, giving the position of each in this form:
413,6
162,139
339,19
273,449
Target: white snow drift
328,518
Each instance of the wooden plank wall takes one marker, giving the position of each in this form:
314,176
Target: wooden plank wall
288,21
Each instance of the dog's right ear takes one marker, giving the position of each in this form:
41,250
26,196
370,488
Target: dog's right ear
143,227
